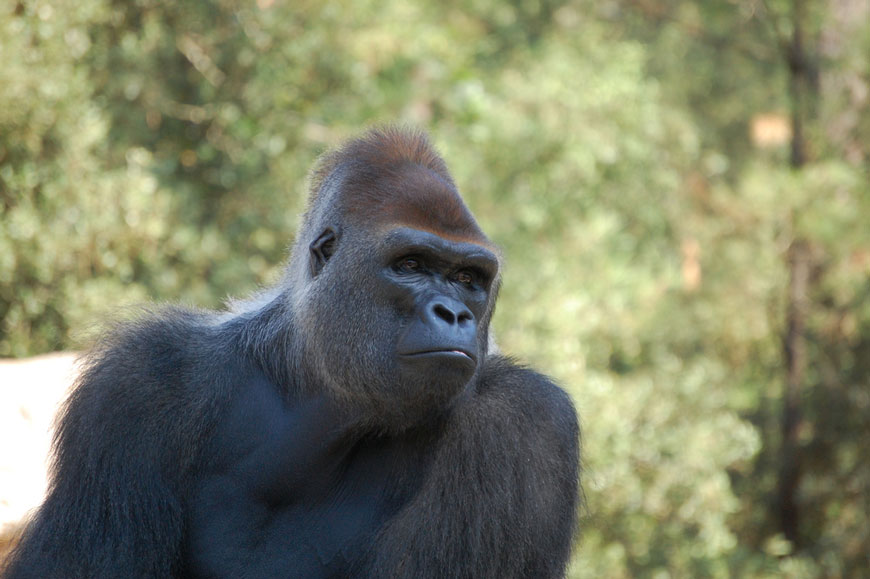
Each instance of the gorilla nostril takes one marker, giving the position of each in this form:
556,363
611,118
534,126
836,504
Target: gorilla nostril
445,313
456,315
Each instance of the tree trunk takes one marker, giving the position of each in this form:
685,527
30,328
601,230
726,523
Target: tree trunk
801,85
796,360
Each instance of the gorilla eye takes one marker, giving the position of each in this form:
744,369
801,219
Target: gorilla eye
464,277
409,265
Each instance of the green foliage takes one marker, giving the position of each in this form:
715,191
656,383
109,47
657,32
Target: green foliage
158,151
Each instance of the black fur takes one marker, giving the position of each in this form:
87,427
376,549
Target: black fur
295,437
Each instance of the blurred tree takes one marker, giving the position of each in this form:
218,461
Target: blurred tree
645,165
784,224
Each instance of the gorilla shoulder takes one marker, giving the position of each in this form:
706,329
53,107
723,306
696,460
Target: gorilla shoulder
158,360
532,393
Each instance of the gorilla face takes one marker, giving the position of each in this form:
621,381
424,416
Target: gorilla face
393,310
404,326
441,289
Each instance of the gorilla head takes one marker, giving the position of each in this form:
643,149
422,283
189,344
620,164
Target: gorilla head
392,281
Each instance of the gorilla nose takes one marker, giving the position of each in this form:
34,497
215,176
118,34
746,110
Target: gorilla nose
444,331
451,311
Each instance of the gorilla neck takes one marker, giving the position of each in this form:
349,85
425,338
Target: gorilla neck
397,416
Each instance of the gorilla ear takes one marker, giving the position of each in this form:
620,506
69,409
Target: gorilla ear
322,249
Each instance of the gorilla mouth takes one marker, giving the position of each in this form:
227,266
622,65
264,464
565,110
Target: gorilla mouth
447,353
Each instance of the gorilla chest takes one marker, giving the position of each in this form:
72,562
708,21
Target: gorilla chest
317,519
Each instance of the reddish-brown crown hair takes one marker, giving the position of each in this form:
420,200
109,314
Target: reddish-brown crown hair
391,176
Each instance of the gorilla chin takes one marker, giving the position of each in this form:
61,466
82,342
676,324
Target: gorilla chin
449,370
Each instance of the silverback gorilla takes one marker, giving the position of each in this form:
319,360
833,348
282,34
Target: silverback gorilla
349,422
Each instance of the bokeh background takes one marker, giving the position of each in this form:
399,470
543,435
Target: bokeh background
682,191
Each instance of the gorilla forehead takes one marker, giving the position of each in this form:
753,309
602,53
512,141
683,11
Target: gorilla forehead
411,196
394,177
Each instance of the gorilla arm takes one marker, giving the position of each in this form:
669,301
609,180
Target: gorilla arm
503,494
125,445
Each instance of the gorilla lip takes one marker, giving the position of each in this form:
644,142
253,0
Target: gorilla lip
452,352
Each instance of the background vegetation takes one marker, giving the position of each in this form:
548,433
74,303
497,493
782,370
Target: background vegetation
681,189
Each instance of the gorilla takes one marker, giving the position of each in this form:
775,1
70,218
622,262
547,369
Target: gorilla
353,421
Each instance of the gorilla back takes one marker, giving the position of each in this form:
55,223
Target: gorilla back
349,422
